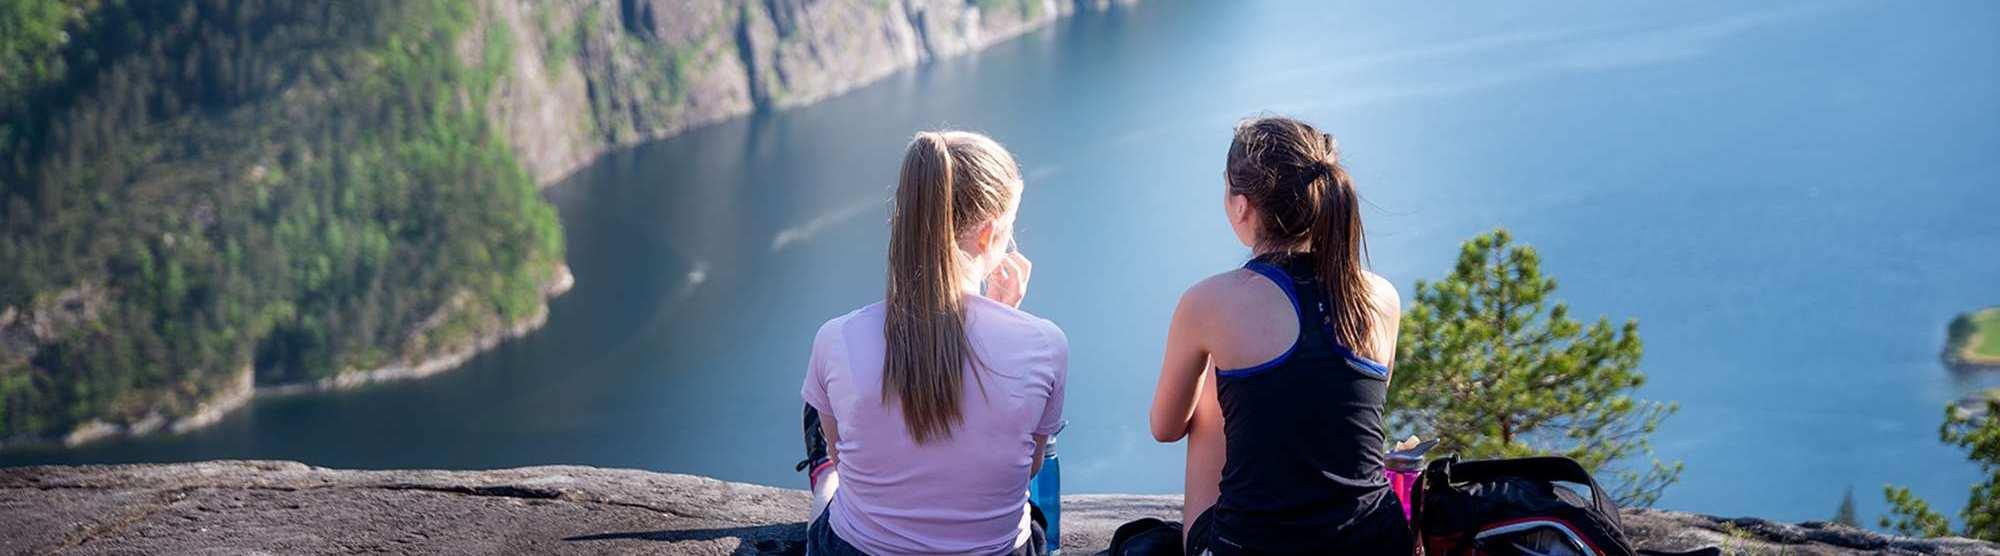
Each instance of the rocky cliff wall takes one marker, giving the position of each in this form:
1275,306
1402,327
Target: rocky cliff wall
589,75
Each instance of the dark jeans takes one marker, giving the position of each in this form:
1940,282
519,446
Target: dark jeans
821,541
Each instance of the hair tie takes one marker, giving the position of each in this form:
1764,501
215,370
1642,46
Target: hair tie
1327,168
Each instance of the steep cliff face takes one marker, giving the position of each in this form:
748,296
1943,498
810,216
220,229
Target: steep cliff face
288,507
594,74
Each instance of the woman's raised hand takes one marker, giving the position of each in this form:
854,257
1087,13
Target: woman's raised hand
1009,281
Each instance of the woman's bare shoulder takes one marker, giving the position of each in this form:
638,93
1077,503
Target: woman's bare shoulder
1219,290
1383,294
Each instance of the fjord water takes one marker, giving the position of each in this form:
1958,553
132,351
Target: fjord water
1791,199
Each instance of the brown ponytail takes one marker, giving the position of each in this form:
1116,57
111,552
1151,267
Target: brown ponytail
1291,172
951,181
1340,249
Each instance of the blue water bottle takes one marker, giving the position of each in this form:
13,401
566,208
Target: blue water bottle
1046,491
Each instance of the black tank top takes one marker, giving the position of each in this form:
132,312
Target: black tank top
1303,434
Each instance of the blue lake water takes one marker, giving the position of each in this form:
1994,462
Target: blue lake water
1791,199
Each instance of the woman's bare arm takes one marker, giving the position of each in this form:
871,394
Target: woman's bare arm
1041,451
1181,369
830,431
1206,453
1389,316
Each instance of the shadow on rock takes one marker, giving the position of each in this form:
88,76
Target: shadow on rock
784,538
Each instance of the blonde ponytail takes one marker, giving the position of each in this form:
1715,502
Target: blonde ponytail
951,181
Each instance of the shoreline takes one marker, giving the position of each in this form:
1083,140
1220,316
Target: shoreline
208,412
1961,348
438,363
244,387
553,155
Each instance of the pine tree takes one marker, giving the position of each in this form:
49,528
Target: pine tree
1977,429
1490,363
1912,515
1845,515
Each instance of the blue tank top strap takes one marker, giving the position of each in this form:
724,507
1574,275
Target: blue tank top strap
1360,363
1284,281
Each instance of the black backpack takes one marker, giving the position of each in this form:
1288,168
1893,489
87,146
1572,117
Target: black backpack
1147,536
1509,507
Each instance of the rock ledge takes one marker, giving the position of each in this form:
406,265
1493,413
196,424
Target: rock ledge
289,507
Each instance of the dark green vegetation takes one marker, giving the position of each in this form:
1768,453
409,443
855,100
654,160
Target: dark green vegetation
31,33
302,187
1489,363
1845,514
1977,430
1974,338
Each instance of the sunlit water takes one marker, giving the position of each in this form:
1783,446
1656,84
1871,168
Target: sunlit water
1792,201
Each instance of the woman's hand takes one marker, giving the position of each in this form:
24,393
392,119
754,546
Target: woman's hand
1009,281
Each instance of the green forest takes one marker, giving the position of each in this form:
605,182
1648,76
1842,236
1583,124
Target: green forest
189,188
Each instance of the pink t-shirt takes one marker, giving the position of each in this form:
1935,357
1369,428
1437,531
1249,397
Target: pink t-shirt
966,494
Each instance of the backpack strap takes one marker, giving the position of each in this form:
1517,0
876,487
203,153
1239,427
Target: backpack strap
1542,468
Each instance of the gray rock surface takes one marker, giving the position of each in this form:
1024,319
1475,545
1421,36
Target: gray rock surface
247,507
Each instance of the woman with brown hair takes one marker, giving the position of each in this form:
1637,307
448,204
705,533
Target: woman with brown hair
1277,371
936,403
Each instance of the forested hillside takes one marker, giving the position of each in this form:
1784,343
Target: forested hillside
203,197
197,188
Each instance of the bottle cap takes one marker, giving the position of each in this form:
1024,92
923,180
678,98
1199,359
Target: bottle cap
1410,459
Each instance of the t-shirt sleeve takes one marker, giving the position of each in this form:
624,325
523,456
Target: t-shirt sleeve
814,389
1059,358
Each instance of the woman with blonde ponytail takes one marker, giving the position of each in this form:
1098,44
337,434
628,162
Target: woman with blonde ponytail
1276,372
935,404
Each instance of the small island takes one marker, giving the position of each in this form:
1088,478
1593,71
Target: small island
1973,340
